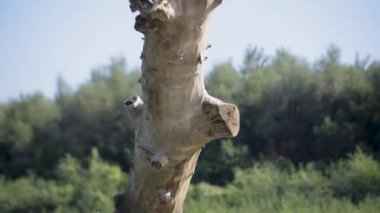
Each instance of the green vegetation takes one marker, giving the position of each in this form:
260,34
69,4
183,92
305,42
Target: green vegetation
309,140
348,186
77,187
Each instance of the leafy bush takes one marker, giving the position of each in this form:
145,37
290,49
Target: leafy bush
272,189
79,188
356,178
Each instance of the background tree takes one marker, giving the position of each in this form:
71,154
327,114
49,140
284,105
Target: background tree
302,147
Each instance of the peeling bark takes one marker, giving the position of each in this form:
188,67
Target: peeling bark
175,117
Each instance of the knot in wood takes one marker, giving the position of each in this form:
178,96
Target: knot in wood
145,24
156,164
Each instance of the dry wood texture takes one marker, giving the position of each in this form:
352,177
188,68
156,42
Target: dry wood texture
175,117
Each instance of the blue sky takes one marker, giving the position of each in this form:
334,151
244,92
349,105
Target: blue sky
41,39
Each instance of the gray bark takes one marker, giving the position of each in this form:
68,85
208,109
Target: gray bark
175,117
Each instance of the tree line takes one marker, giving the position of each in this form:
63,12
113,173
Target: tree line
297,118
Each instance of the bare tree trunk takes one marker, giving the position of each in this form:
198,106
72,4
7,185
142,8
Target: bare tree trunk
175,117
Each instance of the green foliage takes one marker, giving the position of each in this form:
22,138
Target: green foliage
222,82
266,187
293,113
356,178
218,160
93,186
26,127
78,188
16,133
95,115
269,188
32,194
254,59
290,108
20,118
35,132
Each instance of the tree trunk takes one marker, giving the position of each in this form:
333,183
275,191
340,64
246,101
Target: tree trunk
176,116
